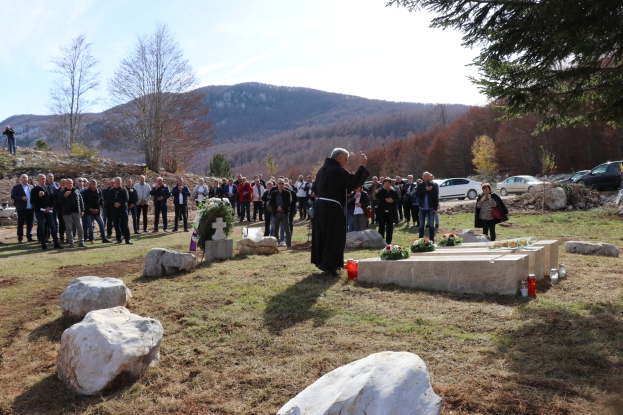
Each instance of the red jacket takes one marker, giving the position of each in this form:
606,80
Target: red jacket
245,188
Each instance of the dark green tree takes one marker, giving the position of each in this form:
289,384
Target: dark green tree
219,166
560,59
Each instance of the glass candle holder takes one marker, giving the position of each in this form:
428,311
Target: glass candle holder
562,271
553,275
523,288
532,285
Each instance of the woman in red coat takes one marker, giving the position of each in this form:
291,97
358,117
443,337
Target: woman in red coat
245,194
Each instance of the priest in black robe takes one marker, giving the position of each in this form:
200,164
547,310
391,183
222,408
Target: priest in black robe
333,183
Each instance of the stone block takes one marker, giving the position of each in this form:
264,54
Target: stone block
485,274
551,253
86,294
591,248
536,256
367,239
265,246
469,235
223,249
160,262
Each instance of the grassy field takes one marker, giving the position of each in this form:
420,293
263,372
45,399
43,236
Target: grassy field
246,335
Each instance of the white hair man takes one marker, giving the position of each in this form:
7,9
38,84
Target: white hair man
333,182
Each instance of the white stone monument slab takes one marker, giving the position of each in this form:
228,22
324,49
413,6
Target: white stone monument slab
485,274
551,253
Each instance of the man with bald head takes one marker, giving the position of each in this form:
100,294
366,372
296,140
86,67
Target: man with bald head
43,202
25,213
73,210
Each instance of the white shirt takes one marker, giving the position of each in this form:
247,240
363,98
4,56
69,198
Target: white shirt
300,189
181,196
200,191
27,191
358,210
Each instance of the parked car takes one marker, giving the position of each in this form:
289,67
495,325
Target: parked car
458,188
605,176
518,184
574,178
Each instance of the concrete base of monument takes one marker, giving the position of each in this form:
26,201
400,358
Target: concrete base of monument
485,274
536,255
221,249
551,253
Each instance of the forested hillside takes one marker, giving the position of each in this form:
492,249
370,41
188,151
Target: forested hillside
446,151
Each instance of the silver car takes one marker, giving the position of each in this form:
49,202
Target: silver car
518,184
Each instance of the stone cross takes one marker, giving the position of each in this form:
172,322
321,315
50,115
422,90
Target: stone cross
219,225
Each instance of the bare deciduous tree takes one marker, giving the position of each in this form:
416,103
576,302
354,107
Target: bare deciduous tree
68,101
155,111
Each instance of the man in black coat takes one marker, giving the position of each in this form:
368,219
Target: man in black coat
180,195
160,193
230,191
427,193
132,205
117,204
21,198
387,210
43,201
72,205
280,204
333,182
93,203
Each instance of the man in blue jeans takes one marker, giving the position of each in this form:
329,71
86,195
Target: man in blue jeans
427,193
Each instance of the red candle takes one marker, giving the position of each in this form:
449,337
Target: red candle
353,269
532,285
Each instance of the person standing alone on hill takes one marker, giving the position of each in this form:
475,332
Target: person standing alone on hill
10,135
333,182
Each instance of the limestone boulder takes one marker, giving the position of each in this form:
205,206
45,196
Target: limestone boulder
106,344
366,239
618,199
160,262
86,294
556,198
469,235
591,248
265,246
383,383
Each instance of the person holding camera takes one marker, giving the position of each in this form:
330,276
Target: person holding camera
10,135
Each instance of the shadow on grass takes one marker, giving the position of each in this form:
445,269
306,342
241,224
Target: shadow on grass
568,350
296,304
53,330
51,396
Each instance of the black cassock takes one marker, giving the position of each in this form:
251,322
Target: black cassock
329,224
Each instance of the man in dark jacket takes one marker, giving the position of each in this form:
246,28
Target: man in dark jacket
160,193
230,191
132,205
333,182
105,212
43,202
180,194
10,135
93,202
21,198
387,210
280,204
427,193
72,204
117,203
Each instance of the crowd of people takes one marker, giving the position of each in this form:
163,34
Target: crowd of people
67,211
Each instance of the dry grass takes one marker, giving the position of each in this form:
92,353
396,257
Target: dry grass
246,335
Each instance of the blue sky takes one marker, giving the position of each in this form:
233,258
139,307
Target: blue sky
357,47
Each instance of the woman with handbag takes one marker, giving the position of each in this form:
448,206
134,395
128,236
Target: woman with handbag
358,202
490,209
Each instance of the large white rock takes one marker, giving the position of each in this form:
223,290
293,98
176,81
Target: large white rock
86,294
366,239
591,248
619,198
555,198
266,245
106,344
468,236
160,261
395,383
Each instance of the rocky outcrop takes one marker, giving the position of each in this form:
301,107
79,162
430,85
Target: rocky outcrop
160,262
105,345
383,383
86,294
367,239
591,248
